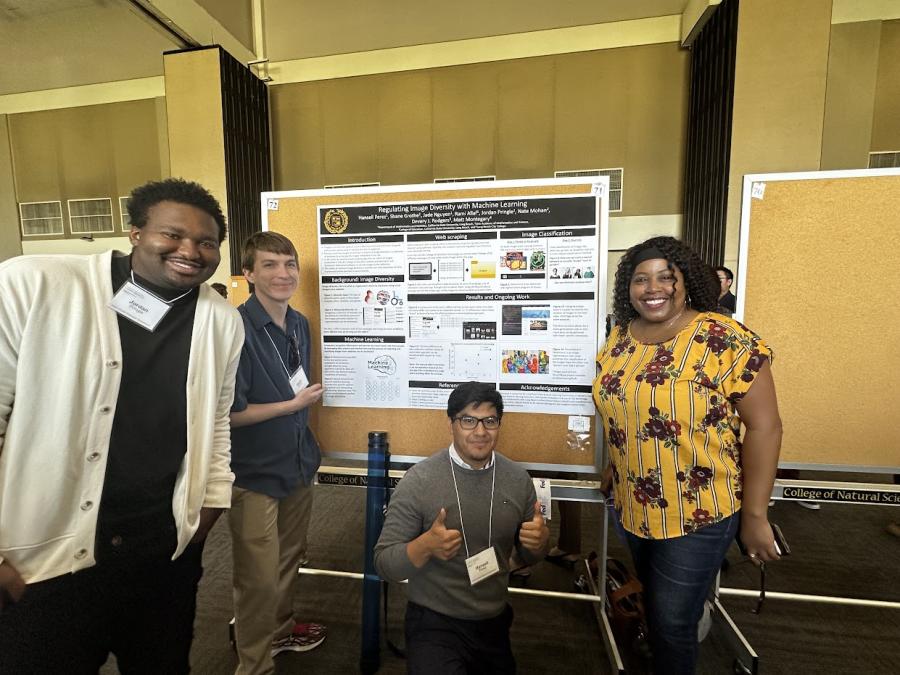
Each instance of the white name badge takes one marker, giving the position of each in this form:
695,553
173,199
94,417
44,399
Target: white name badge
299,381
542,489
139,306
482,565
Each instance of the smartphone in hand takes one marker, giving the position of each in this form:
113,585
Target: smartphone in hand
781,544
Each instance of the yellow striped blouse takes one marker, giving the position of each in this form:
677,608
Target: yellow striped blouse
671,427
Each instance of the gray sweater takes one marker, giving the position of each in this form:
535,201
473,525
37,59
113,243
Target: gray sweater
443,586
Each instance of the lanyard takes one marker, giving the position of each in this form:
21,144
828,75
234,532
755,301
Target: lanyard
462,525
287,372
168,302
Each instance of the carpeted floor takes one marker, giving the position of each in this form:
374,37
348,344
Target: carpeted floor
839,550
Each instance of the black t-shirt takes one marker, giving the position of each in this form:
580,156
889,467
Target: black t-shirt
728,301
149,433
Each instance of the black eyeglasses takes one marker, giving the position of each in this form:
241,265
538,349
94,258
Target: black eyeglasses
293,354
468,422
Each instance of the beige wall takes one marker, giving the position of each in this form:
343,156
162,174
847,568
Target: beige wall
779,95
162,135
886,122
850,94
521,118
513,119
196,129
85,152
76,246
319,28
236,16
9,214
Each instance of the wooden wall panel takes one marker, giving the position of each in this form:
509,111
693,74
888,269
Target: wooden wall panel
298,148
590,113
655,94
512,119
781,65
886,121
35,152
404,129
850,94
464,105
135,155
525,127
86,152
350,130
10,241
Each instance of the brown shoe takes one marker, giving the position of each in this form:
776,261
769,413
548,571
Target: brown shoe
559,557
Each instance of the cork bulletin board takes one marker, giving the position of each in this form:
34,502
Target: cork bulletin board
539,441
818,280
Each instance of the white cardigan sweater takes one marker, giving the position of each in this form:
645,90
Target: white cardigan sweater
60,369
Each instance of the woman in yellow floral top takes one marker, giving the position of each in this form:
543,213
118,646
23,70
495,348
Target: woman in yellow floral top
675,380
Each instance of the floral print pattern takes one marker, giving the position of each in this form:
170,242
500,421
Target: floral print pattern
754,363
718,414
674,436
616,436
659,369
611,384
647,490
716,338
702,380
625,345
700,518
660,427
733,452
695,479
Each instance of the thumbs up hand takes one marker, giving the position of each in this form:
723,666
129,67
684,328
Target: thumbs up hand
534,534
443,543
435,542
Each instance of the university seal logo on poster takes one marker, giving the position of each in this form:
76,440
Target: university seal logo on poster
336,220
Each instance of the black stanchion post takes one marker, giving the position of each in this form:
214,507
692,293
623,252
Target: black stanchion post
376,494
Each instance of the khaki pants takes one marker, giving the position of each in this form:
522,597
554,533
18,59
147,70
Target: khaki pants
268,537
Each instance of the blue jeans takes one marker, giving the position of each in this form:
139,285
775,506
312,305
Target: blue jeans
676,575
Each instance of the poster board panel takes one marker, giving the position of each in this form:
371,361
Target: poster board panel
817,281
537,440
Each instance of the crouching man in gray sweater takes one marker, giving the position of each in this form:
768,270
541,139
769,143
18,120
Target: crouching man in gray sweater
451,526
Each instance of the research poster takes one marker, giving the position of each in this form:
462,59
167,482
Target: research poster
418,297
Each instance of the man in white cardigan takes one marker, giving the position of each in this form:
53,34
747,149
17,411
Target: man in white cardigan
116,382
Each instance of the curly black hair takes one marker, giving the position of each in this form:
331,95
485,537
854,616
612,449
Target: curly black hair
174,190
700,279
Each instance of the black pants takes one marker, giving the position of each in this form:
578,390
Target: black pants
139,608
437,644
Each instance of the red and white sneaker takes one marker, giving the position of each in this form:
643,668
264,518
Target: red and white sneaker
305,636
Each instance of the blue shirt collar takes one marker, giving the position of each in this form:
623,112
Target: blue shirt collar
260,318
